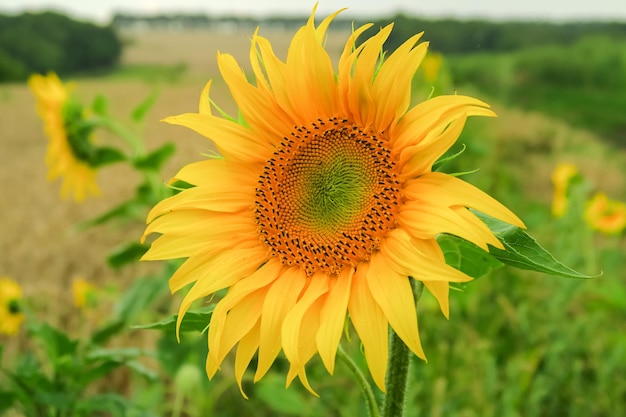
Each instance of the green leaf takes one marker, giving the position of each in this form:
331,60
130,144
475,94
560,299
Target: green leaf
523,252
57,343
467,257
100,105
126,253
139,296
109,404
94,373
194,321
271,390
178,186
6,400
114,354
155,159
107,331
128,209
139,113
445,159
141,370
106,156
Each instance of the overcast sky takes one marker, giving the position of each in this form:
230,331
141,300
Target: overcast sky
102,10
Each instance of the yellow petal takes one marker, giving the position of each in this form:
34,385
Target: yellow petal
261,279
441,291
450,191
361,104
246,349
332,318
221,271
231,139
216,171
394,295
280,299
434,115
204,107
306,342
275,71
313,79
418,159
425,221
226,330
392,86
293,323
260,111
205,225
407,259
175,247
206,198
371,325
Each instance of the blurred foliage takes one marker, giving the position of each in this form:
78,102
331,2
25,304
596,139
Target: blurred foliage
576,83
451,36
54,42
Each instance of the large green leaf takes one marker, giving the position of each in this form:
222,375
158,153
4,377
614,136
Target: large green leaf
467,257
194,321
106,156
126,210
523,252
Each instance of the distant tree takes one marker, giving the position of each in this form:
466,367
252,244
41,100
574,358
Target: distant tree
54,42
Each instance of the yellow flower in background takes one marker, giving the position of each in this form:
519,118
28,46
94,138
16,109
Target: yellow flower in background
68,146
561,178
83,293
604,215
323,205
431,66
11,316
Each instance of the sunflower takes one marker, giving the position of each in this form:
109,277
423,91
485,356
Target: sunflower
323,204
69,141
84,293
11,316
604,215
561,179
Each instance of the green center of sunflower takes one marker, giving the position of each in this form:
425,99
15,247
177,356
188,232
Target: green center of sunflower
14,307
78,132
327,196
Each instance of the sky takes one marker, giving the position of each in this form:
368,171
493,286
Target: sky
554,10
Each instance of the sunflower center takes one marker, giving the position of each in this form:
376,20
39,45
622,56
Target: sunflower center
327,196
14,307
78,132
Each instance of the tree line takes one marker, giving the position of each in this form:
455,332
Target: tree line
452,36
42,42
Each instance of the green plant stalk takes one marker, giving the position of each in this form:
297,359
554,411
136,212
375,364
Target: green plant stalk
134,141
398,369
370,400
137,146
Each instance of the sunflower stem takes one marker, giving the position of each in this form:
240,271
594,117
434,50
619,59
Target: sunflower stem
398,370
370,400
134,141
